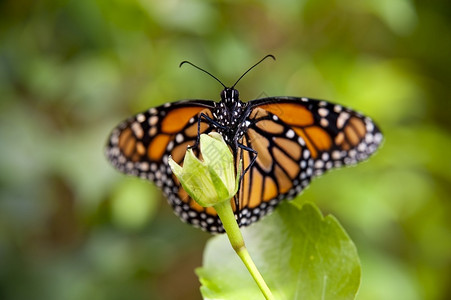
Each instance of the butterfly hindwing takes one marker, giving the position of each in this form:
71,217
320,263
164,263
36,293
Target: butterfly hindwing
282,168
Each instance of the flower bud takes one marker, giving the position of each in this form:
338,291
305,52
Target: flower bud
212,180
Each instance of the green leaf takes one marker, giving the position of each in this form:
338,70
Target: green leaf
300,253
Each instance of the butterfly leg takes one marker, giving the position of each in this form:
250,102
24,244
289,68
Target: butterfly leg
253,158
209,120
252,153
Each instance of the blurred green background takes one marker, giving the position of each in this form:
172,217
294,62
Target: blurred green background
71,227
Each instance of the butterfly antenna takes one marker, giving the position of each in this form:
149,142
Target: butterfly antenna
269,55
199,68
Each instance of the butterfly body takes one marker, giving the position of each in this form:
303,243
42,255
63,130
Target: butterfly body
229,115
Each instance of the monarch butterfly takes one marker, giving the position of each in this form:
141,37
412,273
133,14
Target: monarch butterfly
283,142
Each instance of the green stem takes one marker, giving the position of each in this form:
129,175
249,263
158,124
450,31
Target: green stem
227,217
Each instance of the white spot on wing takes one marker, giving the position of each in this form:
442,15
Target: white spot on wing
290,134
153,120
140,118
144,166
179,138
342,118
319,164
137,130
336,155
323,112
378,137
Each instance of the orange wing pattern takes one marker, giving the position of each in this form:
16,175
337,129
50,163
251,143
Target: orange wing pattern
282,165
333,134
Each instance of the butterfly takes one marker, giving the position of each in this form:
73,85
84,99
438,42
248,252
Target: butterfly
280,144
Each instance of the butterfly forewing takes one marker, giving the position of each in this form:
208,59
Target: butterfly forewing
333,134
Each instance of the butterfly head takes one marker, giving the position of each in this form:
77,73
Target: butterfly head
228,111
230,96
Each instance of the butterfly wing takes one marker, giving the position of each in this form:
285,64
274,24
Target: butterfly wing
282,168
297,139
142,144
335,135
